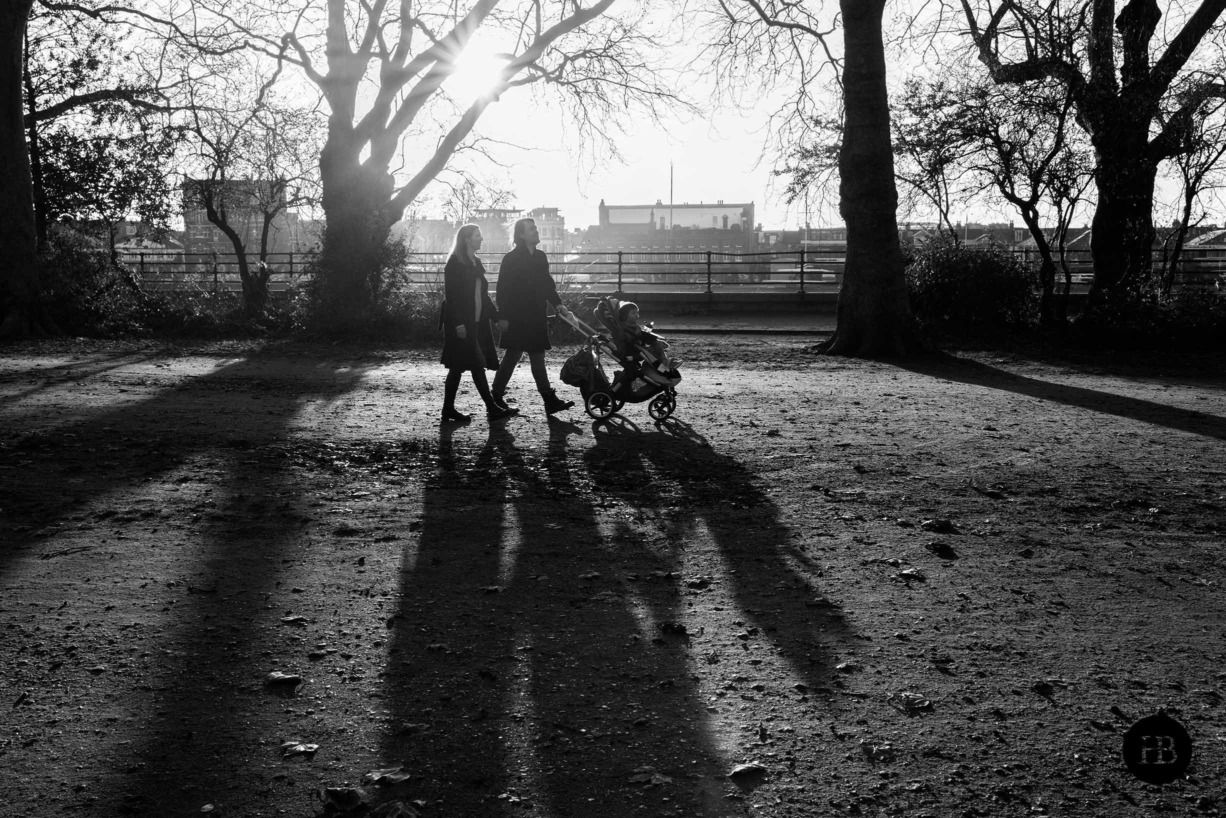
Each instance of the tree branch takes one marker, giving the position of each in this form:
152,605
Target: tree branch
1185,42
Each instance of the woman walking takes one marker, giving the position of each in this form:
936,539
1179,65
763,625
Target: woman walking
468,341
524,289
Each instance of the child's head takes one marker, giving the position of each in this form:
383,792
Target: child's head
628,314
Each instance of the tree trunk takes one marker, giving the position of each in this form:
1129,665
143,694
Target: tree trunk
359,217
20,287
1122,237
36,165
874,313
1048,315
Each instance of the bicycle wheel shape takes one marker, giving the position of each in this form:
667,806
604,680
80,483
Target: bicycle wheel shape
600,405
661,406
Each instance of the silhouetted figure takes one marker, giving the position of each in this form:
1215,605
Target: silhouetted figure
468,340
524,289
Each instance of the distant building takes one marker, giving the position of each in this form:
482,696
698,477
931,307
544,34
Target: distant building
551,225
246,202
719,216
681,236
699,228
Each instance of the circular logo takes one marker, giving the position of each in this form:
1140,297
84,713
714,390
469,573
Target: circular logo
1157,749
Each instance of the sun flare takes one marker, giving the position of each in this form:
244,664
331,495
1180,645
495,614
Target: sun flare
477,73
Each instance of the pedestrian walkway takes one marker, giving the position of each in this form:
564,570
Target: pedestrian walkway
747,323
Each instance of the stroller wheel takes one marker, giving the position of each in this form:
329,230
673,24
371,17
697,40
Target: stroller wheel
600,405
661,406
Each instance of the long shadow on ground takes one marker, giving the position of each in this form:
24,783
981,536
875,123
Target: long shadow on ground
675,471
962,370
225,434
539,652
74,372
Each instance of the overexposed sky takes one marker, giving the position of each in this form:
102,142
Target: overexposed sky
715,156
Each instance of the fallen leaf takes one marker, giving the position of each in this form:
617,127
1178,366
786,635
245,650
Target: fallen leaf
297,748
343,799
943,550
388,775
747,771
909,703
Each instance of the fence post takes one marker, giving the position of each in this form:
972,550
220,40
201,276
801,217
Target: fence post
802,271
708,272
619,271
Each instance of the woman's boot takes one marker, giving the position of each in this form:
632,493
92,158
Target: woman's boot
553,403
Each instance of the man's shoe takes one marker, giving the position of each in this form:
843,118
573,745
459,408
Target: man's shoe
555,404
501,403
498,413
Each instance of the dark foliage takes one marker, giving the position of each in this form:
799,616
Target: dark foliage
395,312
86,294
962,291
1191,319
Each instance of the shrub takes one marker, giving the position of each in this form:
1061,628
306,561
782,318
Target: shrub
395,311
88,295
978,291
1188,319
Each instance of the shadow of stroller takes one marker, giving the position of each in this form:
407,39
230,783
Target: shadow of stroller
673,472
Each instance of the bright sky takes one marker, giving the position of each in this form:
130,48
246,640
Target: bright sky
716,158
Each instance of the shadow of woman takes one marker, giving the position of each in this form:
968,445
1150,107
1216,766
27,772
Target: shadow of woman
454,636
557,686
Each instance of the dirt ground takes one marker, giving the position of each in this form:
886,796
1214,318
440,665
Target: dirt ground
937,588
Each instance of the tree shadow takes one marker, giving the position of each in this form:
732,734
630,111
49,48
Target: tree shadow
204,466
73,372
962,370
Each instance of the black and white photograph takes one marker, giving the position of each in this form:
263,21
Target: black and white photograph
612,408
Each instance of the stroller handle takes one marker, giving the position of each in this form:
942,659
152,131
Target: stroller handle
580,325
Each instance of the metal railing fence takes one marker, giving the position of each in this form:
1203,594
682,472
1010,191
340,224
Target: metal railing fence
684,270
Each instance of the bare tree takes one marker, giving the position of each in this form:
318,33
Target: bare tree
1196,165
20,283
468,195
931,147
874,313
1121,94
20,287
383,70
1017,142
785,38
255,161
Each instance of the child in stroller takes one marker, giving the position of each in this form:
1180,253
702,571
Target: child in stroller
646,374
642,350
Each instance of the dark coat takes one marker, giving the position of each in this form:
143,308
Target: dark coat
461,283
524,288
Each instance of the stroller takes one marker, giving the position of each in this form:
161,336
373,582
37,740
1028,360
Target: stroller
638,379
